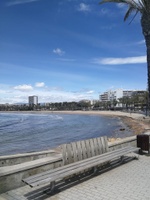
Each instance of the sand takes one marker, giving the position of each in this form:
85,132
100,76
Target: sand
138,123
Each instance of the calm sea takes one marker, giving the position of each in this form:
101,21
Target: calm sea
21,132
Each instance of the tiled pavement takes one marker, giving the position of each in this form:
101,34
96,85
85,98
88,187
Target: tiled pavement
130,181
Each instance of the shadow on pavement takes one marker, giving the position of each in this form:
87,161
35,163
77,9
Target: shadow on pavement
43,192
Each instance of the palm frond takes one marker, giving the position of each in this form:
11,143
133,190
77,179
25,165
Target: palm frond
128,13
144,4
113,1
134,16
132,3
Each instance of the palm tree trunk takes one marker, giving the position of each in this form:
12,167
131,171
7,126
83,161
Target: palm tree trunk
145,22
148,69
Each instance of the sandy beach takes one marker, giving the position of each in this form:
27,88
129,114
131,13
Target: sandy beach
138,123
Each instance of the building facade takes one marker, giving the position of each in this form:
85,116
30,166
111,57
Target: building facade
111,95
33,100
117,94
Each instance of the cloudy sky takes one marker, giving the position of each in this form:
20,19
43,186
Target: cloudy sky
68,50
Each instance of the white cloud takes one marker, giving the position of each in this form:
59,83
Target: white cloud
23,88
121,61
20,93
121,5
90,92
141,42
58,51
84,7
39,84
16,2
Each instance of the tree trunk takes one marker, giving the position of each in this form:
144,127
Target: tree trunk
145,22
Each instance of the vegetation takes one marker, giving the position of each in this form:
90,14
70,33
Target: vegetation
133,103
142,7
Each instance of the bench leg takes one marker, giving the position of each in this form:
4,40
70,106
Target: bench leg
122,159
52,186
94,170
51,189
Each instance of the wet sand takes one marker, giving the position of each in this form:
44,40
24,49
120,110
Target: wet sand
138,123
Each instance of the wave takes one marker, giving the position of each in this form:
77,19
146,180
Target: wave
38,132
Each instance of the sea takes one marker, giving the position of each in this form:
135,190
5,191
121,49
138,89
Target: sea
30,132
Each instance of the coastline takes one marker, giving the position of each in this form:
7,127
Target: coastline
136,122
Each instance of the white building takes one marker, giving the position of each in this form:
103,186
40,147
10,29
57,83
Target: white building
111,95
33,100
128,93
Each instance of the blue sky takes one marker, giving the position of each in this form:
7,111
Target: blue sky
68,50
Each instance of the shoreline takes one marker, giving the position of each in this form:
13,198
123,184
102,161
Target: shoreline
137,123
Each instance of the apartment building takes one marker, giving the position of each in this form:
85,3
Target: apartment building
111,95
33,100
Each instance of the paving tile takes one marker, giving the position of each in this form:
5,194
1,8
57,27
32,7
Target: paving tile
129,181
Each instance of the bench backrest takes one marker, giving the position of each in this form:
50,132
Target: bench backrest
76,151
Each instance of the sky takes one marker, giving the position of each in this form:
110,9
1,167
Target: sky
68,50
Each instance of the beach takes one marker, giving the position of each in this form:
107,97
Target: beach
138,123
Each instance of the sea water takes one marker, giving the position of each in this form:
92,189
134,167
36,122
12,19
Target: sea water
20,132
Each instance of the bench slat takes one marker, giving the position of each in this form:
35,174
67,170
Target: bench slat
64,154
99,145
84,152
69,153
96,146
92,147
103,145
79,152
74,148
87,148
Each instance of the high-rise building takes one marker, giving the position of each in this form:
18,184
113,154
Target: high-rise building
33,100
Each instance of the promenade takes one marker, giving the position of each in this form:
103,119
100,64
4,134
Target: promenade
129,181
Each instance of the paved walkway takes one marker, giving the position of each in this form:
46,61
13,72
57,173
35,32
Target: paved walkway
130,181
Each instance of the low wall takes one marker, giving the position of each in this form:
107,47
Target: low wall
9,160
11,176
123,143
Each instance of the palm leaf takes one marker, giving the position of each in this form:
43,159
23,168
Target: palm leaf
131,3
128,13
113,1
144,4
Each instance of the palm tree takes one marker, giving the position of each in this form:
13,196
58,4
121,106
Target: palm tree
142,7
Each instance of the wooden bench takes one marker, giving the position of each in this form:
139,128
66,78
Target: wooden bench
78,157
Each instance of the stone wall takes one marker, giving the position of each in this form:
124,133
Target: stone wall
9,160
11,176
